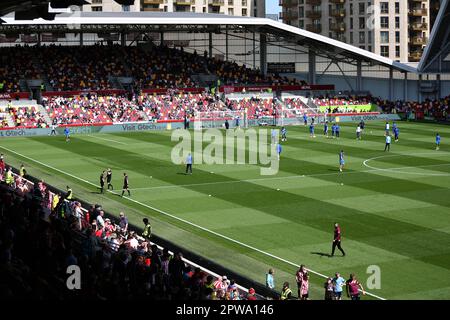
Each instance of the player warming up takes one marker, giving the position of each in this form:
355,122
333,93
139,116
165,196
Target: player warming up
67,134
126,185
283,134
341,160
438,141
337,240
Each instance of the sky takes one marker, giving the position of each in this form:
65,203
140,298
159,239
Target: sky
272,6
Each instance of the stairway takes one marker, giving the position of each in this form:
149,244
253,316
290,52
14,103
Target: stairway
44,113
9,120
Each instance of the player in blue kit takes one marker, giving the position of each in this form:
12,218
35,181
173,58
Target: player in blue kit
333,130
325,129
67,134
305,119
396,133
338,131
279,149
438,141
341,160
311,130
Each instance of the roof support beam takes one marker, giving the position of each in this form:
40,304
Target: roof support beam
263,53
391,83
359,76
210,45
312,66
405,87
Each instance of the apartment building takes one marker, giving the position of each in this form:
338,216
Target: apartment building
397,29
248,8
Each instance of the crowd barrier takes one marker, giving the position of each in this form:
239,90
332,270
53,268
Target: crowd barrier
178,124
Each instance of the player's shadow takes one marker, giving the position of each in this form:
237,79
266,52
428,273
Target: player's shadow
321,254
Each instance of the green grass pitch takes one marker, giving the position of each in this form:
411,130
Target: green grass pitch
394,208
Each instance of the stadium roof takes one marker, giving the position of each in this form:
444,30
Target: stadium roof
436,57
177,22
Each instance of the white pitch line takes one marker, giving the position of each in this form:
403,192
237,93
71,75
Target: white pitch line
395,170
110,140
180,219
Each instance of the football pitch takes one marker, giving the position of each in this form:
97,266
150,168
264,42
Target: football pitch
393,207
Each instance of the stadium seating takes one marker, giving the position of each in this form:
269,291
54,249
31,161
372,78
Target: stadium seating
90,68
28,116
16,63
40,238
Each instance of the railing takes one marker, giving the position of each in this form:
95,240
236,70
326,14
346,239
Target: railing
418,12
317,28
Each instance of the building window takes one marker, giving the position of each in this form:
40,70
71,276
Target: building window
362,47
231,2
351,9
397,8
230,11
301,24
397,36
362,37
397,22
351,37
369,48
204,10
362,8
384,51
362,23
384,22
125,8
351,23
384,36
397,51
244,12
244,3
301,12
97,1
384,6
369,36
97,8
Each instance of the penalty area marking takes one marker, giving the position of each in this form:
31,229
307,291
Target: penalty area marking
179,219
396,170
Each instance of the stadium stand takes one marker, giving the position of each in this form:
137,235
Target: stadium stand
43,235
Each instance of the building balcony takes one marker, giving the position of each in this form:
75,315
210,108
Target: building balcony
184,2
338,27
415,56
419,26
216,3
338,13
316,28
314,14
288,15
314,2
419,41
337,1
152,1
288,3
418,12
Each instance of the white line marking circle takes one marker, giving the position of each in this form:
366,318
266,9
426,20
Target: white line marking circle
396,170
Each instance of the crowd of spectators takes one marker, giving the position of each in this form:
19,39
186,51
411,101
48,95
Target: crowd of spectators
73,68
27,116
77,110
42,235
439,109
16,64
